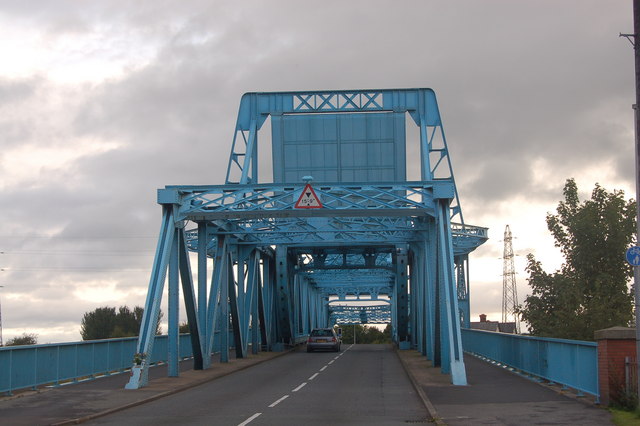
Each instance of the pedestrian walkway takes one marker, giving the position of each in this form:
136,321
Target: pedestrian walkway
494,396
497,396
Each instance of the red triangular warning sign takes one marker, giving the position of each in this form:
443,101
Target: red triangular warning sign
308,199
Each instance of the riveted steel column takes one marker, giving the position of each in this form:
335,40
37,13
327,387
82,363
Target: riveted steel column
451,339
402,303
283,296
195,325
238,336
202,280
431,295
173,305
215,300
265,303
225,284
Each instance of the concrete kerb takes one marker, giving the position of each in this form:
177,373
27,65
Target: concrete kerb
431,410
166,393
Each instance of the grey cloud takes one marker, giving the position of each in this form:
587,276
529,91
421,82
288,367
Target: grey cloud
515,82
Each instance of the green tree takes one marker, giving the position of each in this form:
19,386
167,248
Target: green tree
25,339
106,323
365,334
98,324
590,291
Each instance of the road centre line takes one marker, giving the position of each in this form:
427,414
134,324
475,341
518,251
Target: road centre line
279,401
246,422
313,377
331,362
299,387
324,368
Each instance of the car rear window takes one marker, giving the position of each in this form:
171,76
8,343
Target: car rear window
321,333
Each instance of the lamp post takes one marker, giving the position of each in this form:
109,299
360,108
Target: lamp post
635,41
636,269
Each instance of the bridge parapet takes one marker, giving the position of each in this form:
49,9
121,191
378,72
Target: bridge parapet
573,363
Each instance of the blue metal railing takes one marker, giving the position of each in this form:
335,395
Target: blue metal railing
572,363
30,366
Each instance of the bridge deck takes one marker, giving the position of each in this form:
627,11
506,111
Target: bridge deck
493,396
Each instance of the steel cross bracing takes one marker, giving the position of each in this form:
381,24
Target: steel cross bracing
268,272
344,314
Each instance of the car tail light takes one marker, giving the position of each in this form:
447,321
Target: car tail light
333,339
309,341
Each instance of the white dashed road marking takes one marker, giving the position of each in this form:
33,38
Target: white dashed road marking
279,401
246,422
299,387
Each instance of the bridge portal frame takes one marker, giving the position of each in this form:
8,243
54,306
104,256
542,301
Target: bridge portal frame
251,230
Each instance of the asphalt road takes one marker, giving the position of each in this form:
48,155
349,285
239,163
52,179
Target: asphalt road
363,384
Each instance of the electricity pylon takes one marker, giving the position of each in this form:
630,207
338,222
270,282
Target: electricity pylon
509,290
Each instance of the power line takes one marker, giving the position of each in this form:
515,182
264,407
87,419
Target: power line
105,237
78,252
73,268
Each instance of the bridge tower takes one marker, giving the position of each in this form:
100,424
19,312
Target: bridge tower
509,289
338,234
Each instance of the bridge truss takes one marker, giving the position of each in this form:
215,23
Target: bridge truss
268,272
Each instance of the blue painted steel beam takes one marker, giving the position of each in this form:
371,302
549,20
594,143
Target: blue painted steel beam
202,237
218,281
194,320
451,340
283,303
173,307
154,296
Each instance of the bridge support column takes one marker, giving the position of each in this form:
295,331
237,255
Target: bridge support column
173,307
419,306
283,303
432,331
202,290
450,337
400,259
266,309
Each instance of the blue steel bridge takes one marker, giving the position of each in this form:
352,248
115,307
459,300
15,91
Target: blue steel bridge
339,235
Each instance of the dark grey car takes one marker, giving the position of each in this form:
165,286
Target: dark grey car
323,338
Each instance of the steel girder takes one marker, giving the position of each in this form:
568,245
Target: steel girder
345,314
265,214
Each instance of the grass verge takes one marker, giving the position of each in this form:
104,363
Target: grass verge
625,418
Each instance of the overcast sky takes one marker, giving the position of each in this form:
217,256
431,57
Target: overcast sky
103,102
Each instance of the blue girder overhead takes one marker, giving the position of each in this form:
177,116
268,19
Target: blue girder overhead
370,246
